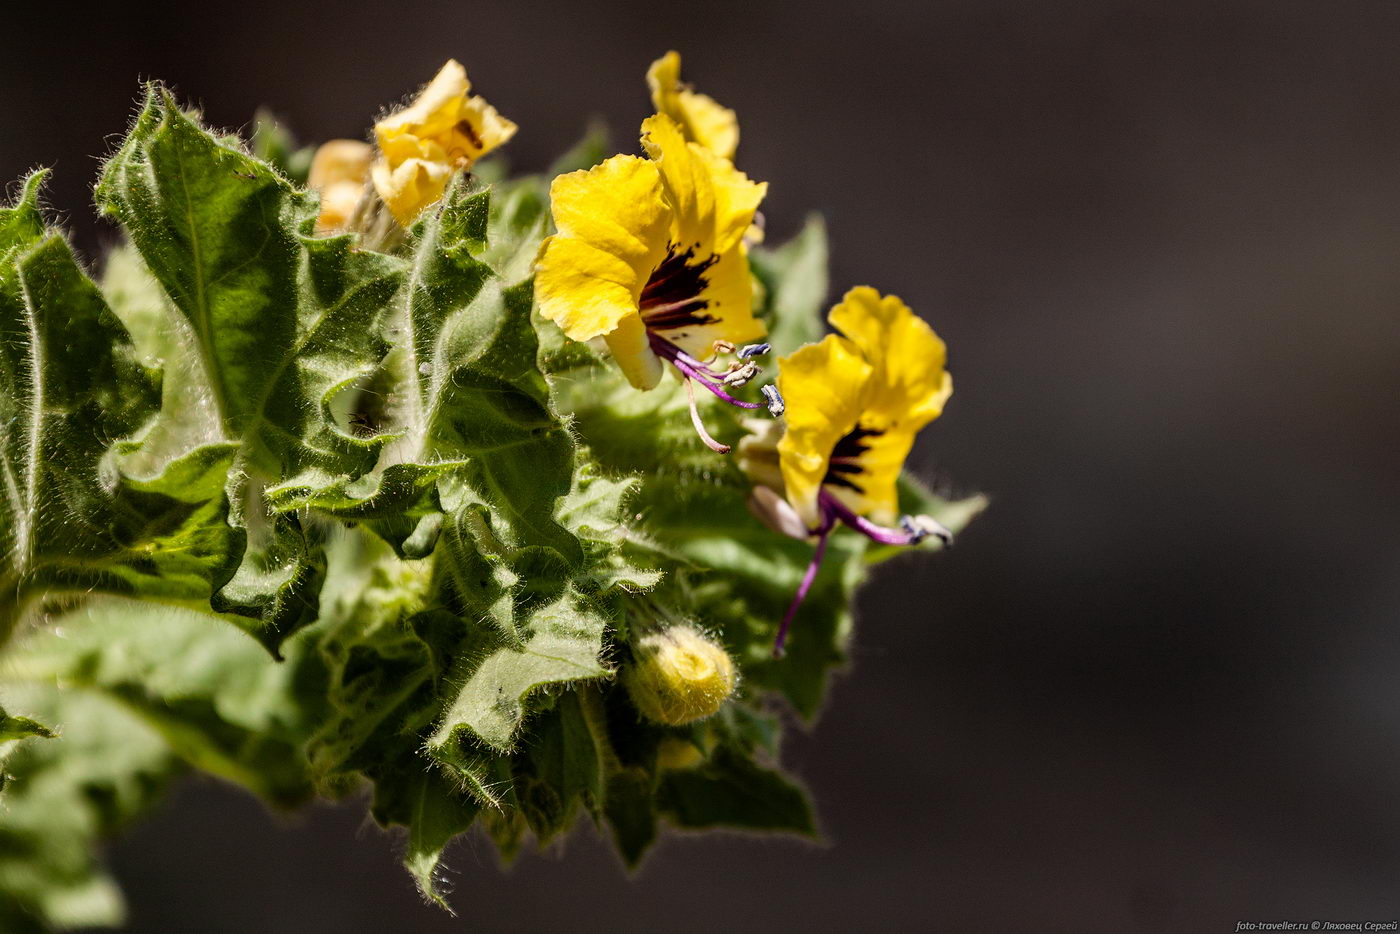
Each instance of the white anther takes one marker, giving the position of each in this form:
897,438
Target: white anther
921,527
776,405
740,373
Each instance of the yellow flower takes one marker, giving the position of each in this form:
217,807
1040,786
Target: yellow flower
700,117
649,257
445,129
339,171
678,676
854,404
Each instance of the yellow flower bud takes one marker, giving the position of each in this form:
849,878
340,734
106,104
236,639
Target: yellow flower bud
339,172
758,452
678,676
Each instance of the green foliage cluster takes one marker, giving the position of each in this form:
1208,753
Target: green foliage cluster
310,517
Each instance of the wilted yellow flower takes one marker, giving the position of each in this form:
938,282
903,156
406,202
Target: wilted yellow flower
446,128
701,118
649,257
854,404
339,171
678,676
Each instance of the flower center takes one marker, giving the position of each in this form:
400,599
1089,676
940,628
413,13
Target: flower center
844,463
669,303
671,298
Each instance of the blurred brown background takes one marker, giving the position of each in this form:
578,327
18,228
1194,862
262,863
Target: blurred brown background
1155,687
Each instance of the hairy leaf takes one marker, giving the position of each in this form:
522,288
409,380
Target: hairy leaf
448,522
136,695
794,282
733,791
426,802
274,322
15,728
70,386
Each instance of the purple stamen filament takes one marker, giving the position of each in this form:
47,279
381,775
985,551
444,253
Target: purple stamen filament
691,371
695,371
832,510
828,522
872,531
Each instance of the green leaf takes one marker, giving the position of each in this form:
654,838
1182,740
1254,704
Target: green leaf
219,702
485,777
565,752
631,814
70,385
795,287
107,768
434,811
482,402
562,642
13,728
733,791
275,324
380,670
567,766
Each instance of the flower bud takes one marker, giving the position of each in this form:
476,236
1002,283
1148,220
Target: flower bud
678,676
339,171
777,513
758,452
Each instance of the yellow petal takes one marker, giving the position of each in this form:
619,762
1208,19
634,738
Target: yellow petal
910,385
612,227
631,348
340,160
711,125
586,291
701,118
434,110
442,130
714,203
410,187
823,385
339,171
728,294
736,198
489,128
617,207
